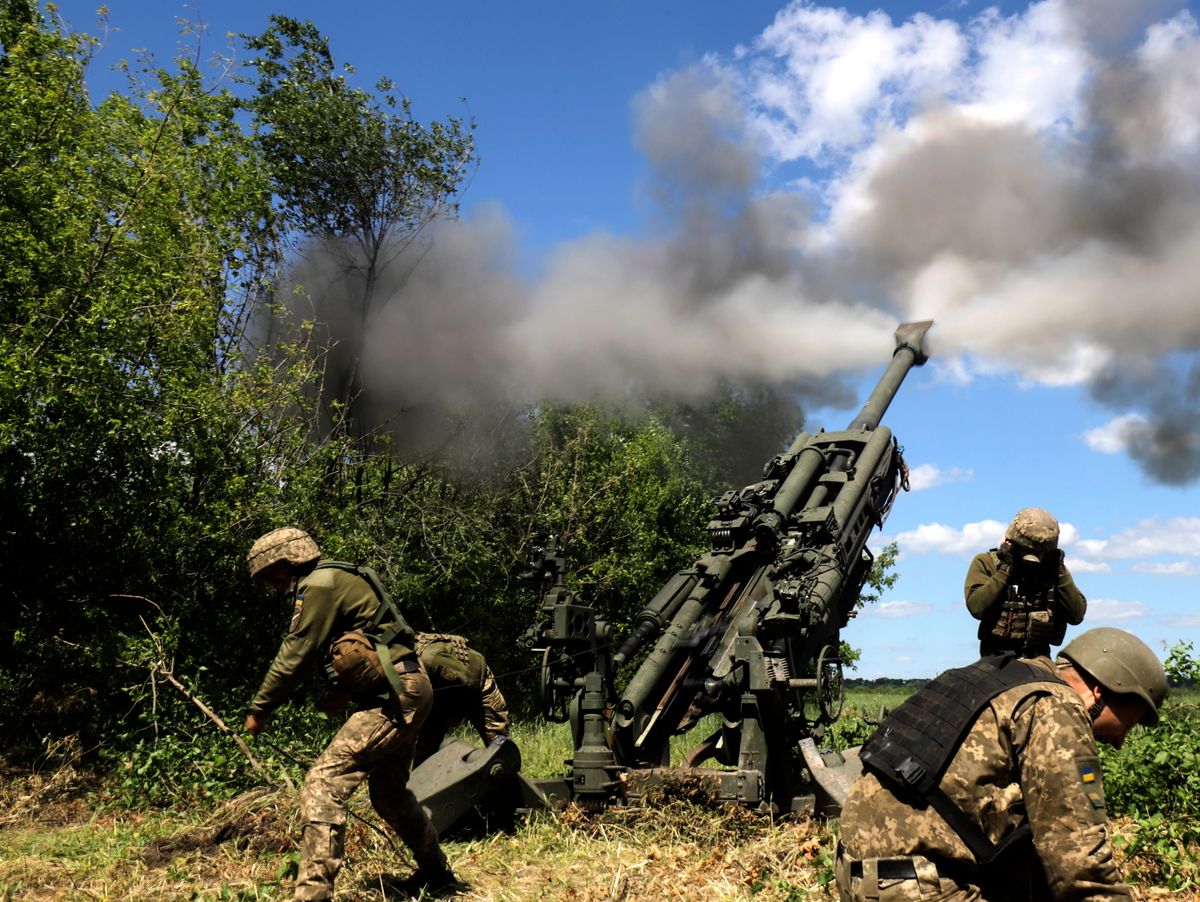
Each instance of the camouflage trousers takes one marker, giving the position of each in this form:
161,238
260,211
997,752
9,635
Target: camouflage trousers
861,881
375,745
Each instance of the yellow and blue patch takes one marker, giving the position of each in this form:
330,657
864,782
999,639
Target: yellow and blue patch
1093,786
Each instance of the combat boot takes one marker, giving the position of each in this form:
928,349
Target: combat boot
435,883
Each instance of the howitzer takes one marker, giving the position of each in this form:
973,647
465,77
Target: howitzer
749,632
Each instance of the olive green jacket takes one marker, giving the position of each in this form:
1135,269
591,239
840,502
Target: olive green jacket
987,584
328,602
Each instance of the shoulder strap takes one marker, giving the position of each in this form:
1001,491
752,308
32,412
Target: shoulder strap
915,744
387,612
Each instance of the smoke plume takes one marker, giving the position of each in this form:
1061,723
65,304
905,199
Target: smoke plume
1028,181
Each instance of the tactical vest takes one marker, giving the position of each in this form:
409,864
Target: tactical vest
1024,622
915,744
387,626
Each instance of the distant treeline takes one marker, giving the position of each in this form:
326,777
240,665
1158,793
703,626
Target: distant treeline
884,683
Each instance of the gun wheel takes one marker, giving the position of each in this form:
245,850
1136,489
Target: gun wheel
830,689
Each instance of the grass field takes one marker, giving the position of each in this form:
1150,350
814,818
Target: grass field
61,840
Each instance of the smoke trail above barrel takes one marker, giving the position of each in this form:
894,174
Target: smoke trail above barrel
1028,181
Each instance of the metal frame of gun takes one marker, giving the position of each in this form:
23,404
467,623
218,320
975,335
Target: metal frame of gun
750,632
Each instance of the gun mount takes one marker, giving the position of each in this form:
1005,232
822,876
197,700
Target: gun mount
749,632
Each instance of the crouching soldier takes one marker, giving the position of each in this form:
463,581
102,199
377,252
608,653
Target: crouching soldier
986,785
344,617
463,689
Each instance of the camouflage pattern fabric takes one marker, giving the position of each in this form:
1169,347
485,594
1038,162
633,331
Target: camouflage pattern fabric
464,689
1029,756
1017,621
326,603
376,745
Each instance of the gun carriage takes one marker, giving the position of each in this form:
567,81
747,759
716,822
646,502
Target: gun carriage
749,632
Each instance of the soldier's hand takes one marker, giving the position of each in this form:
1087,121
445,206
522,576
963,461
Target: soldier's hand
333,702
1055,566
256,723
1005,553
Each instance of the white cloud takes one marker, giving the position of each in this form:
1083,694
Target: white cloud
1168,568
1108,610
1115,436
936,538
926,476
1184,621
1079,565
894,610
1032,67
1149,538
824,80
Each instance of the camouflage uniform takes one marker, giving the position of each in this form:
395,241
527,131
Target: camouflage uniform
376,743
1029,756
464,689
1000,609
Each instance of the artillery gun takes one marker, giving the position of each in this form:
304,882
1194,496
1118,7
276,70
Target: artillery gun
749,632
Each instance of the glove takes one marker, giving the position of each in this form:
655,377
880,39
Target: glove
1055,568
1005,553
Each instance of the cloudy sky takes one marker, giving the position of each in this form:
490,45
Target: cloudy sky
711,190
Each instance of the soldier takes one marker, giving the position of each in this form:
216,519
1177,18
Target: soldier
986,785
1022,592
463,689
342,615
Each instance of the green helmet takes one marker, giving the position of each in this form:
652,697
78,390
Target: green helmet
1121,663
286,544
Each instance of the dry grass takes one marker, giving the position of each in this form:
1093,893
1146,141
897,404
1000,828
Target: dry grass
54,846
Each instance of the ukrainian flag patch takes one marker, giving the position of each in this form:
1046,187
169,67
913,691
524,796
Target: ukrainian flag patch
1093,786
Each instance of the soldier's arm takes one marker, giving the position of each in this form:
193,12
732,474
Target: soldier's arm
311,623
1069,597
985,584
1064,800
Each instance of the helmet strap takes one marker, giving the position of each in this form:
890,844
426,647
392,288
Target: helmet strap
1096,709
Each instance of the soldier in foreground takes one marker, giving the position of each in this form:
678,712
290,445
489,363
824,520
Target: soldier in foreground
1021,592
342,615
986,785
463,689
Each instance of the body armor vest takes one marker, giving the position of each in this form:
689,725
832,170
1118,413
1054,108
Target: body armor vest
915,744
1025,622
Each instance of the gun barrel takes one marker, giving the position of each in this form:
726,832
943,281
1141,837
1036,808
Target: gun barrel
910,352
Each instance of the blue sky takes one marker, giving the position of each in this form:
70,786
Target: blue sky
686,191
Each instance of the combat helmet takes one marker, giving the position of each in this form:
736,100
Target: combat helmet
1035,529
285,544
1121,663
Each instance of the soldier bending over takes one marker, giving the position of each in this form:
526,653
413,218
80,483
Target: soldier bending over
342,615
463,689
985,785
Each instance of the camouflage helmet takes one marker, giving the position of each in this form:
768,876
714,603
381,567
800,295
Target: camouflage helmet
1121,663
286,544
1033,528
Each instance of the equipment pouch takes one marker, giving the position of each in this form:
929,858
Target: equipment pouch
1041,628
354,664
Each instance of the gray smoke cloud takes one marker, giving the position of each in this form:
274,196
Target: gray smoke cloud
716,298
1068,248
1030,182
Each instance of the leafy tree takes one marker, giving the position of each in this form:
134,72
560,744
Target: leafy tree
357,178
132,457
